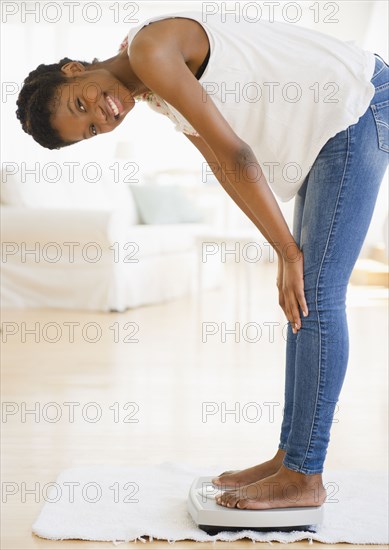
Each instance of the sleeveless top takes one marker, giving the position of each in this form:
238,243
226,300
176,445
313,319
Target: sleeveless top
284,89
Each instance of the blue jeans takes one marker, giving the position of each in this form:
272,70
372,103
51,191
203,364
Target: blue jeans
332,213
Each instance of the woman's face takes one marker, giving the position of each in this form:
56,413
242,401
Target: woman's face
94,102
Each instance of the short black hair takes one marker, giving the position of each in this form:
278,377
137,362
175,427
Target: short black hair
35,103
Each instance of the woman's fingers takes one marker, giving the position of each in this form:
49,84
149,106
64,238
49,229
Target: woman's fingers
293,287
292,303
302,302
289,315
294,314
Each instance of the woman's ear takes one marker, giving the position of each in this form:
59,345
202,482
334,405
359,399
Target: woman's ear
72,67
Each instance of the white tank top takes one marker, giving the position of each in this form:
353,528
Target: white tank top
284,89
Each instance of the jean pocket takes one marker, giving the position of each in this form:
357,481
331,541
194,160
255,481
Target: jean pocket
381,117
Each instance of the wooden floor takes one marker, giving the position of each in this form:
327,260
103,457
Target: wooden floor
168,374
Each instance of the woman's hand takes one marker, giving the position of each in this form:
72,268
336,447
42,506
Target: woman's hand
290,283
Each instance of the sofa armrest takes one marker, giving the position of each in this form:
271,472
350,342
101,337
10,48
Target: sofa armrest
32,225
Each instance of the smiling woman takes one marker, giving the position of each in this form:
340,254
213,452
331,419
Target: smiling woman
305,107
66,102
90,102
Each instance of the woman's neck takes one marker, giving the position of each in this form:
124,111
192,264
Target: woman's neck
120,67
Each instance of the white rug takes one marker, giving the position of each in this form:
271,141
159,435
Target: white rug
149,503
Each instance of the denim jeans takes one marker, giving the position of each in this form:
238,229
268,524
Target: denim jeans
332,213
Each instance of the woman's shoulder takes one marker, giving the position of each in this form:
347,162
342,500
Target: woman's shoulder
181,23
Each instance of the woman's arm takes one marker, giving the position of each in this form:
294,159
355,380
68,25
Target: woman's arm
203,148
252,187
162,69
200,144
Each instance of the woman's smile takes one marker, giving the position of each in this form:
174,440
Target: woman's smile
114,106
93,104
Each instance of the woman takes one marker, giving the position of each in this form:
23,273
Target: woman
271,107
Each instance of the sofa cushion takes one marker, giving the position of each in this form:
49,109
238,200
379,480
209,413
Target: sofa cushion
150,240
85,195
164,204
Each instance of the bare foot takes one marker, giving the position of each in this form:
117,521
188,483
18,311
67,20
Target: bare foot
284,489
240,478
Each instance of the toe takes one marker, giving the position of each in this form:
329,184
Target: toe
242,503
229,499
221,501
218,481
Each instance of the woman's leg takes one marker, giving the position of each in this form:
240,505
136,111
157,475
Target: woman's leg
339,202
291,338
340,196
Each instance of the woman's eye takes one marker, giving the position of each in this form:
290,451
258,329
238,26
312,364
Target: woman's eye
93,130
80,105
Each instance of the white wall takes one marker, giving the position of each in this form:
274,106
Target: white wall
28,41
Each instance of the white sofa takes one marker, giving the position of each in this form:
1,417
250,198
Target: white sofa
94,258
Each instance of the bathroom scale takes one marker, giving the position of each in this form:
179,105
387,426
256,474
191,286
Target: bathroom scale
213,518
